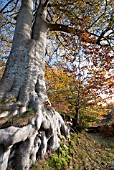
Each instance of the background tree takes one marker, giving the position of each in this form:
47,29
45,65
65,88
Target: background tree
70,96
22,87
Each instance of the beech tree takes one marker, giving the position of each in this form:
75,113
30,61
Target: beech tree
22,87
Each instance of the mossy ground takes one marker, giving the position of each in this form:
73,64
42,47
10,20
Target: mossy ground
86,152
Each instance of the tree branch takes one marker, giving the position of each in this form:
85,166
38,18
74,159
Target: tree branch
64,28
46,2
6,5
99,16
101,35
12,8
83,34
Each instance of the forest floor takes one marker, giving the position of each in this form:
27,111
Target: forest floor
83,152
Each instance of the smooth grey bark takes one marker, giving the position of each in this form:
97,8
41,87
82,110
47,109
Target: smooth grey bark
23,87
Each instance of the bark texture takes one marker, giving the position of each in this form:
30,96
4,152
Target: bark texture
23,89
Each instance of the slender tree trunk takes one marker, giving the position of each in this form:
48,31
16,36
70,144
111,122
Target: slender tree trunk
23,88
76,120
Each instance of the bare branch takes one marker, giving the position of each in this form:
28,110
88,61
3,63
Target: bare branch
6,5
12,8
46,2
95,21
101,35
99,16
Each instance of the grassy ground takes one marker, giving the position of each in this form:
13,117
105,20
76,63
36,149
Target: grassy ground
84,152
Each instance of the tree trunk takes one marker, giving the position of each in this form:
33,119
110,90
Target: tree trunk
76,122
23,89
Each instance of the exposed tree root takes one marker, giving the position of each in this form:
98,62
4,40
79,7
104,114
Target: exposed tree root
21,143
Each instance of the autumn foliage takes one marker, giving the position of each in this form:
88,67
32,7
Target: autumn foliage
67,94
80,53
107,130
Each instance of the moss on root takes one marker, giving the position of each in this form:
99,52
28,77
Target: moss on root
17,120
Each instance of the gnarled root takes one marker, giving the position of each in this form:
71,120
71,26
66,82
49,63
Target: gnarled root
21,146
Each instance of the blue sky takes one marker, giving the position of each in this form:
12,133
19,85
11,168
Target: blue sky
2,3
